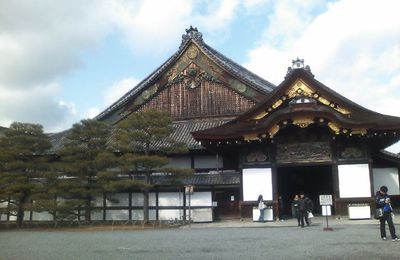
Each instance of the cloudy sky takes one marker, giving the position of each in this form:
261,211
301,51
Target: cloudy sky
66,60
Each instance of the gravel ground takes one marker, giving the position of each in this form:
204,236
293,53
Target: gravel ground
256,242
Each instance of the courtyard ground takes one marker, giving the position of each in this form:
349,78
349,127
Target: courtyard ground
220,240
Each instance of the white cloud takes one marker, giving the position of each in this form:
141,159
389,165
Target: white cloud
118,89
43,41
111,95
36,106
353,50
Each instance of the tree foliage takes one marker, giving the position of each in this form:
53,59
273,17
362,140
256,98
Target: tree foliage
144,139
23,168
86,164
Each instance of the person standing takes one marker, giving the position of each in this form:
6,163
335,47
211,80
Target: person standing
383,202
261,207
305,206
295,209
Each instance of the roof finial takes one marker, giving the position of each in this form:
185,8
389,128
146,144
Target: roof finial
192,33
297,63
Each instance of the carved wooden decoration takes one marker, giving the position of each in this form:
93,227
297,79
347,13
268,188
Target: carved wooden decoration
352,152
205,98
255,157
303,152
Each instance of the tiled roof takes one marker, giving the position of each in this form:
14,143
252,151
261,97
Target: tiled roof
192,35
182,133
224,178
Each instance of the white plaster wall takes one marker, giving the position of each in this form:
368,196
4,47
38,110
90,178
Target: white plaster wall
42,216
168,214
208,162
201,215
98,201
122,198
201,198
257,181
117,214
388,177
179,162
354,181
137,199
138,214
96,215
170,199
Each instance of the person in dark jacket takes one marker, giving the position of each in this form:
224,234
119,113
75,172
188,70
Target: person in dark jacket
305,206
296,210
383,201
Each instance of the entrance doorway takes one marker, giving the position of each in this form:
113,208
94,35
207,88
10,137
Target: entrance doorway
227,200
312,180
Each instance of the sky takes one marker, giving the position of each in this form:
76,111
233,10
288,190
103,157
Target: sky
67,60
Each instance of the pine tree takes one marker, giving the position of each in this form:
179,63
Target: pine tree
23,165
144,140
86,162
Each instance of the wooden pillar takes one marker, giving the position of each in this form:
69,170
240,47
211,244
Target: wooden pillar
157,215
130,205
104,206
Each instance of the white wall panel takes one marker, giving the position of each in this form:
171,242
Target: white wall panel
199,198
137,199
208,162
42,216
138,214
359,212
168,214
96,215
257,181
200,215
98,201
117,199
117,214
179,162
388,177
27,215
354,181
170,199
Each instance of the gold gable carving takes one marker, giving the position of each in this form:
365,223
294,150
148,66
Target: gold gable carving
300,88
303,122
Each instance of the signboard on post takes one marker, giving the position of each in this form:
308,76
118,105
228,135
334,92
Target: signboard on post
325,200
189,189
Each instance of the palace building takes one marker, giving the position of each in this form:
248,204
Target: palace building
247,137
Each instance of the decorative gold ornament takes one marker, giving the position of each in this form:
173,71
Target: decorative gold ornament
277,104
334,127
299,88
359,131
192,52
250,137
260,115
241,88
303,122
273,130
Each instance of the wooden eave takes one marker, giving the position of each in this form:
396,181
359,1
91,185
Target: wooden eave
337,112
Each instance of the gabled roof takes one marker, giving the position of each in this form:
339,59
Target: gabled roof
301,99
192,36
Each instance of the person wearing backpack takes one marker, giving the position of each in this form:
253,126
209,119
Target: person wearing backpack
383,202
